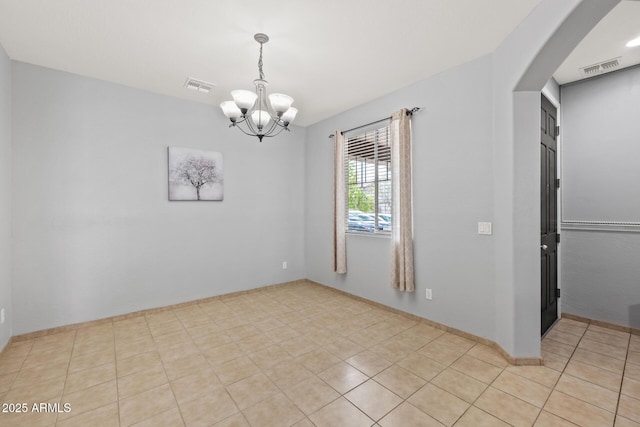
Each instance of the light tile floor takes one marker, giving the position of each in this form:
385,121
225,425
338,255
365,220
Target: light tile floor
304,355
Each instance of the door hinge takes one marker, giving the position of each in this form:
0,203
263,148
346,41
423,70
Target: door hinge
557,130
557,292
557,182
558,238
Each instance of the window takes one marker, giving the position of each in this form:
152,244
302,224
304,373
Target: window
368,173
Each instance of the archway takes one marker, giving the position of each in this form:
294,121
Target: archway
523,63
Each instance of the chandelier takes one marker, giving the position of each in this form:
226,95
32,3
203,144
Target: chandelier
255,113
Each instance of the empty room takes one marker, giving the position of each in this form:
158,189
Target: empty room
338,213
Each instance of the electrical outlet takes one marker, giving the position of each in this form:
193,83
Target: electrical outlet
428,294
284,265
2,316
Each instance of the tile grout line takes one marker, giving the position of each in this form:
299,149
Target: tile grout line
480,395
115,363
589,364
191,338
598,367
493,381
364,349
19,370
343,395
435,376
66,377
65,381
144,391
175,399
624,368
213,371
261,370
560,376
279,389
540,409
395,364
428,382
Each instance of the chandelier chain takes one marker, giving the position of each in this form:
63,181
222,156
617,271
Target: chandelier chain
260,64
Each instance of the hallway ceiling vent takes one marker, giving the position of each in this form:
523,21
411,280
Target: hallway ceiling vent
198,85
602,67
610,65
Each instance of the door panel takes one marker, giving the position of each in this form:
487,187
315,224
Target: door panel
544,201
552,202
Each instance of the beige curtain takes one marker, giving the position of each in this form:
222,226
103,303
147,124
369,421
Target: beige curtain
339,206
402,229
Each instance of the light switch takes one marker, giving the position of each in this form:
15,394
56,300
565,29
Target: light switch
484,228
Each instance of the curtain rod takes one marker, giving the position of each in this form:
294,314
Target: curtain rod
409,113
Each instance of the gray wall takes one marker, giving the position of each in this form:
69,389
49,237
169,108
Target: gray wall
601,131
452,173
94,234
5,196
601,275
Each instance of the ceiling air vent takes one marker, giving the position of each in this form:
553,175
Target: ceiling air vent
198,85
591,70
602,67
610,65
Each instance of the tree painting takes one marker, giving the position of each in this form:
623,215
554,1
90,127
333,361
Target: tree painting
195,174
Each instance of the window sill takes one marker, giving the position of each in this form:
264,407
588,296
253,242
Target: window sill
366,234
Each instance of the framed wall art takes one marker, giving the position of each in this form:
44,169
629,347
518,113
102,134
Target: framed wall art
195,174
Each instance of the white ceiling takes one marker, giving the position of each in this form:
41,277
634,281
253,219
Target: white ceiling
329,55
606,41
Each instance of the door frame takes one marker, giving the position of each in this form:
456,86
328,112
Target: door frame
548,93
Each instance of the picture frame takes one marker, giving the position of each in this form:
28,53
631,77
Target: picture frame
195,175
